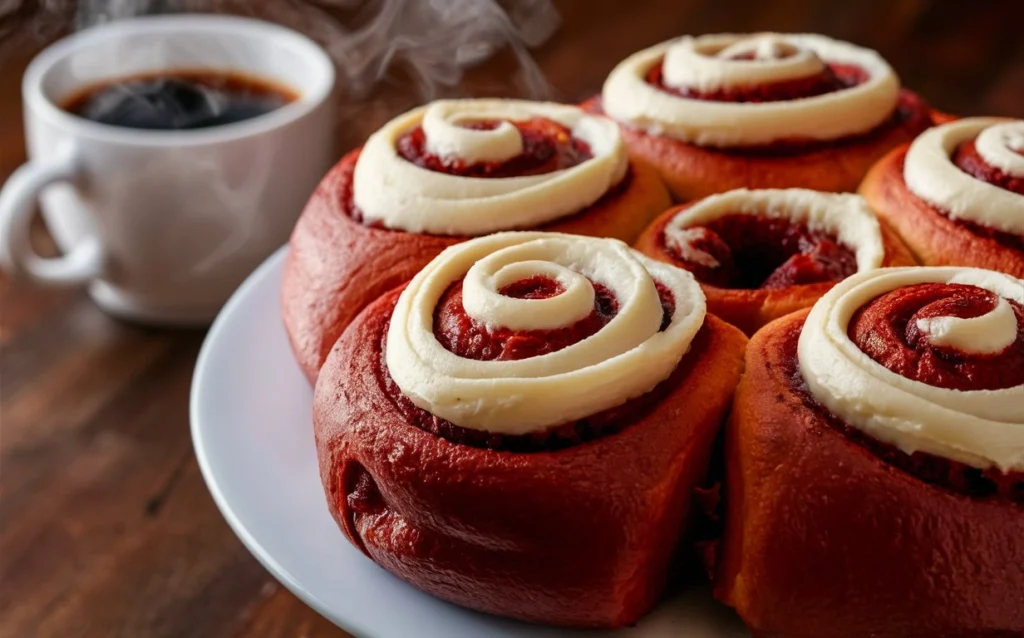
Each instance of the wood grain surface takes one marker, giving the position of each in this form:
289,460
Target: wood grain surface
106,526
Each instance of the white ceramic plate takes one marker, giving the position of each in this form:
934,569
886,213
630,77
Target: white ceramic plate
252,434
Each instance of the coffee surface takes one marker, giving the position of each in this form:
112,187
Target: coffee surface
178,100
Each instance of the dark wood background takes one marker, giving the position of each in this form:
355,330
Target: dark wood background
106,527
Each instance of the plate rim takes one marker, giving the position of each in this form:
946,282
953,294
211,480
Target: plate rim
206,469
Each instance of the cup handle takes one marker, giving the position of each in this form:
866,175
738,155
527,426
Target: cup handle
83,262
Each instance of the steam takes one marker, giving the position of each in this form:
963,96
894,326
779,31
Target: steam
25,25
432,41
391,54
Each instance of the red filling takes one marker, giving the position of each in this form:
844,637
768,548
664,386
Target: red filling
537,287
547,147
1009,240
886,330
934,470
764,253
461,335
834,77
458,333
967,159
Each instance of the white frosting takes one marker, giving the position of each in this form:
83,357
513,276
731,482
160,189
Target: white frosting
990,333
447,138
1002,146
483,302
703,63
699,64
981,428
846,217
398,194
682,240
931,174
627,358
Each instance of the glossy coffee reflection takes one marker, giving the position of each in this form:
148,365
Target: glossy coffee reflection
179,100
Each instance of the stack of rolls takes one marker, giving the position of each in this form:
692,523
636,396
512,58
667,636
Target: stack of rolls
524,354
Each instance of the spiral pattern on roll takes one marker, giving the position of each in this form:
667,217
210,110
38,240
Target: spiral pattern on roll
888,352
717,62
625,359
398,194
930,173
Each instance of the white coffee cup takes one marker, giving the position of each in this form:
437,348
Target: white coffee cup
163,225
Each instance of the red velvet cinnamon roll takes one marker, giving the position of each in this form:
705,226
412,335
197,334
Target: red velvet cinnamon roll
762,254
519,430
718,112
442,173
875,462
956,194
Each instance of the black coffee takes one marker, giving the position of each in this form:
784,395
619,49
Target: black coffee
178,100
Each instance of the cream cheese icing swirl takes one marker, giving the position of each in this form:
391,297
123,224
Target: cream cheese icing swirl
846,217
398,194
715,62
980,427
625,359
930,173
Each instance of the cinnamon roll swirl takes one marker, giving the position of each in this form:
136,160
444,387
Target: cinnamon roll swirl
520,429
766,110
875,456
956,194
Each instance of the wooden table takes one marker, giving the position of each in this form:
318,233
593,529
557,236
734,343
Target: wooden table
106,527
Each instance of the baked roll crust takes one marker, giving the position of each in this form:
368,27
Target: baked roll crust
719,112
526,507
972,235
841,522
762,254
342,257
